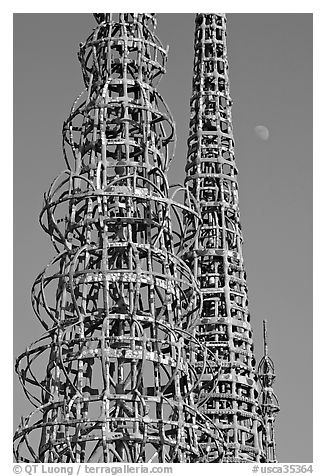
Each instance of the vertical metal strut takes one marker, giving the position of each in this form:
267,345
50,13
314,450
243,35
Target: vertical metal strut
268,401
118,307
216,258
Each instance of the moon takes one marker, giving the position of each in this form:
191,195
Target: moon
262,132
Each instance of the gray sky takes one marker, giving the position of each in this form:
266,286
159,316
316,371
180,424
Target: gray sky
270,58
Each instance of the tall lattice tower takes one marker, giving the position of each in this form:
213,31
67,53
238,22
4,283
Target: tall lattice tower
118,307
216,258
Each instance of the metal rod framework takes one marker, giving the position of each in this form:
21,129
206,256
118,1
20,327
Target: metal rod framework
216,258
118,306
147,354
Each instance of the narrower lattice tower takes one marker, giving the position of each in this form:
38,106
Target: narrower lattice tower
269,403
117,305
216,258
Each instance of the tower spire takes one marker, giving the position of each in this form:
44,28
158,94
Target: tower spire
216,257
268,401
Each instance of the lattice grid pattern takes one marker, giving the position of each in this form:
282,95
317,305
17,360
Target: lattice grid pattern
216,258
